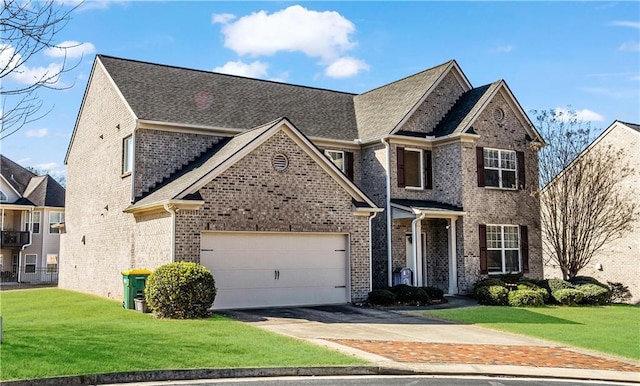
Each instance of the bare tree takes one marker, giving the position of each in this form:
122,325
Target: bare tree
27,28
584,205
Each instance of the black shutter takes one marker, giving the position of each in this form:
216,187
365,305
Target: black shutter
400,166
428,170
482,236
480,163
348,164
524,248
521,170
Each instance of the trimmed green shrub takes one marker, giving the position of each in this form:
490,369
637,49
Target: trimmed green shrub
580,280
510,278
398,287
532,287
568,296
594,294
525,298
434,293
493,295
619,292
412,296
180,290
558,284
381,297
487,282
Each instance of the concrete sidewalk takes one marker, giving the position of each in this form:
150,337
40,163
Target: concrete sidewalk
396,338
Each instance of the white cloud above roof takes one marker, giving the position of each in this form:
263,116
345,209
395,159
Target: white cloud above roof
346,67
501,49
255,69
585,115
325,35
626,23
37,133
70,49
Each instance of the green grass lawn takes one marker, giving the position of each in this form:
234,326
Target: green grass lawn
52,332
609,329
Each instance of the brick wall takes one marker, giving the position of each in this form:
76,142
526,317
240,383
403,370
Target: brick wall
100,241
160,153
434,108
495,206
252,196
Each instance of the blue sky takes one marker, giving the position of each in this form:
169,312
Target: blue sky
585,55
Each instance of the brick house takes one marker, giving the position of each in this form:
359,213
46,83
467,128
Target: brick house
620,260
32,207
279,189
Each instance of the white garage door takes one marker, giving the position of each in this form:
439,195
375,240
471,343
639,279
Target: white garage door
264,269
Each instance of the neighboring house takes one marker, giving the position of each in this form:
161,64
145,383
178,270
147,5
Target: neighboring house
169,164
619,261
32,210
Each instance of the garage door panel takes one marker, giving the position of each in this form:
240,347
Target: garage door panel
313,268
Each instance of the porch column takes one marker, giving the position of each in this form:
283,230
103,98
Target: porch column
453,261
416,235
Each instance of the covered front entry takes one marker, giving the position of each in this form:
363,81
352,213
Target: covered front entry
430,231
267,269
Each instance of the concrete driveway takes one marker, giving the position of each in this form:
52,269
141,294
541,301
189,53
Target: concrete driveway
402,340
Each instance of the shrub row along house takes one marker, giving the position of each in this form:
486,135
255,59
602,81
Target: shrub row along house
32,209
294,195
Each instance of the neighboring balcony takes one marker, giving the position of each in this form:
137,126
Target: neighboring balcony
14,239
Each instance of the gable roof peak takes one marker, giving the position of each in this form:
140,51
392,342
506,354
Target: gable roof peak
417,74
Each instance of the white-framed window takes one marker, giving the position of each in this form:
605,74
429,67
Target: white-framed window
337,157
52,262
413,169
127,155
55,218
30,262
36,219
500,169
3,197
503,248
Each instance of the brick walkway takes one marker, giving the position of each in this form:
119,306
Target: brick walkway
439,353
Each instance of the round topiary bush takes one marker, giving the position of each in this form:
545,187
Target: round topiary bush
434,293
594,294
180,290
487,282
558,284
412,296
568,296
525,298
381,297
493,295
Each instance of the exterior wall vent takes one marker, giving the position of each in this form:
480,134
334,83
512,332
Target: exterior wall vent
280,162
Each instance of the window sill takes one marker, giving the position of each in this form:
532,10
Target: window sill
124,175
505,189
414,188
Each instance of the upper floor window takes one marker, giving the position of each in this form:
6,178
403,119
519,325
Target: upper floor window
55,218
503,248
343,161
3,197
502,169
127,155
414,168
35,220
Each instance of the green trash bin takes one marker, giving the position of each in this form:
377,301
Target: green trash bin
134,281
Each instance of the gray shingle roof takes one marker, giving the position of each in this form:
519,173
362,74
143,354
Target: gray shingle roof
422,204
36,190
634,126
173,189
380,110
184,96
15,174
464,109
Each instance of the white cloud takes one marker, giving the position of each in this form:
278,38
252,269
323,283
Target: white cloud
47,166
37,133
345,67
501,49
624,23
630,46
222,18
49,75
585,115
322,35
70,49
256,69
8,58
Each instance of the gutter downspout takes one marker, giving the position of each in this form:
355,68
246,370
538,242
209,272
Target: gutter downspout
171,208
30,239
371,217
417,245
387,147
